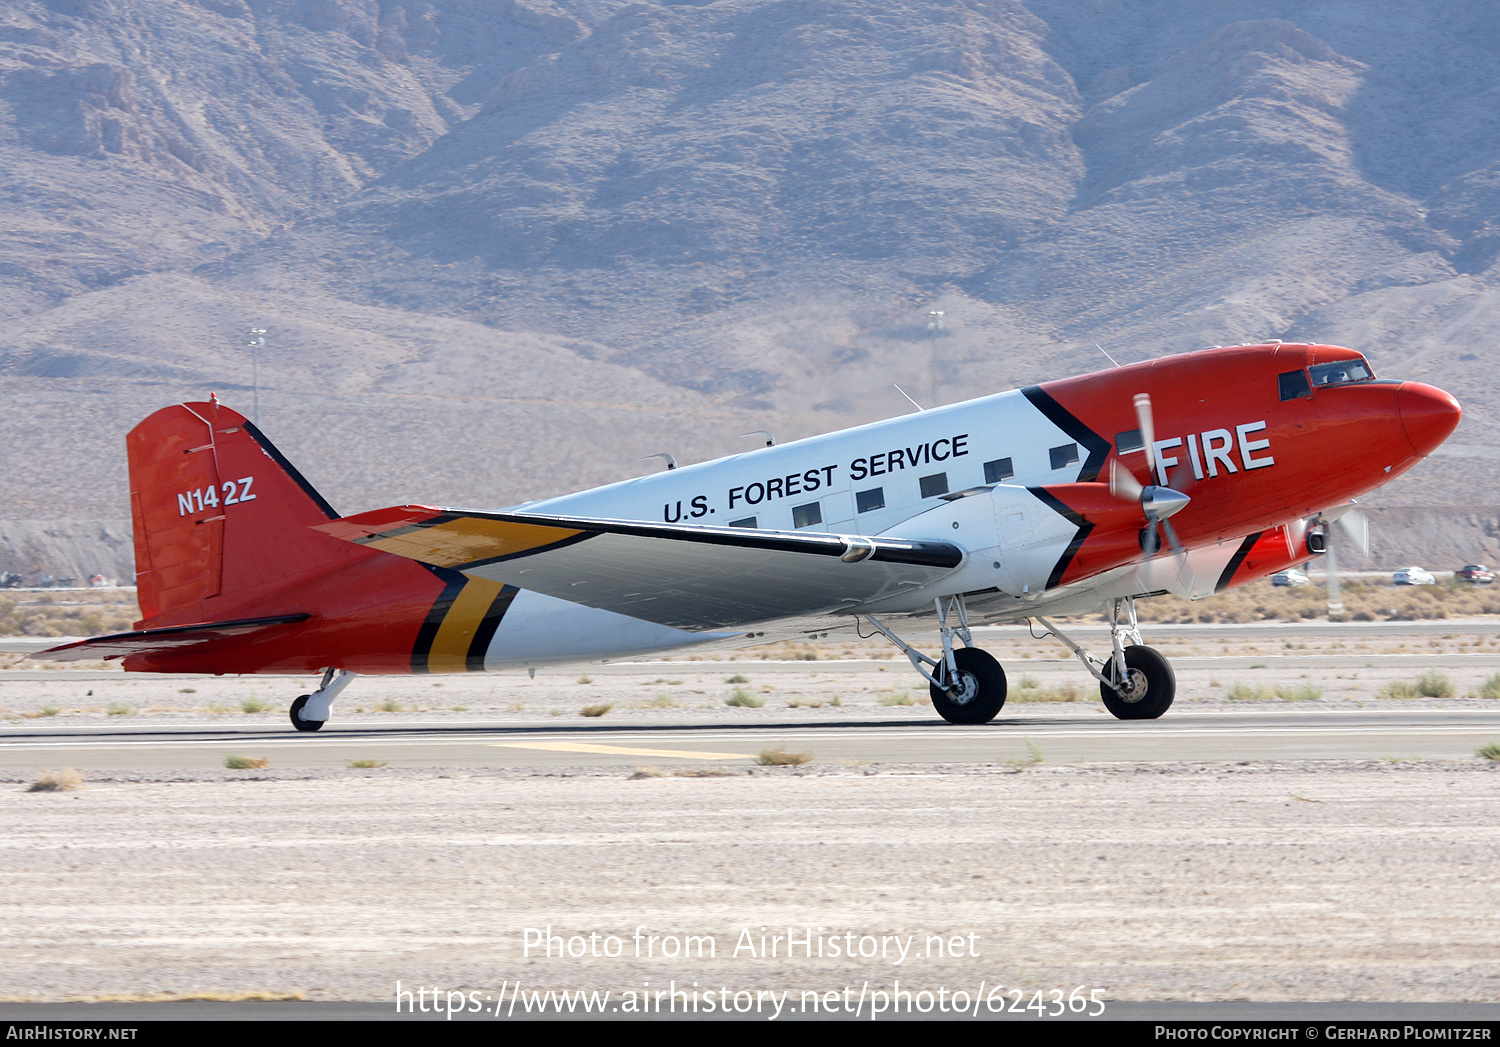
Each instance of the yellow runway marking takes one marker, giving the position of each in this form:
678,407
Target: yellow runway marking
618,750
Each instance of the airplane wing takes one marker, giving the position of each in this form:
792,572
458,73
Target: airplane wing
172,637
680,575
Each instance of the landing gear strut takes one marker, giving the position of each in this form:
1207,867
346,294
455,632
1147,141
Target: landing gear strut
967,685
310,711
1136,683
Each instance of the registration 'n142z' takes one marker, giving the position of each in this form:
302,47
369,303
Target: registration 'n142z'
208,497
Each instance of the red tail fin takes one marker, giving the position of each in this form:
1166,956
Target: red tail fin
218,512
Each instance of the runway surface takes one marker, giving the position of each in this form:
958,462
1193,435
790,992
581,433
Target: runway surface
1067,735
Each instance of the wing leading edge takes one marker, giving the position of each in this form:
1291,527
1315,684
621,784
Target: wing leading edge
680,575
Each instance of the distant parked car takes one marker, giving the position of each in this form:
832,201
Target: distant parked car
1413,576
1292,577
1477,573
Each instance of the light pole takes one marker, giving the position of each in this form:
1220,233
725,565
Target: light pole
935,328
257,341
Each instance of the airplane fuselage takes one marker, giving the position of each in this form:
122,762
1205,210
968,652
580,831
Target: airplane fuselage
1259,438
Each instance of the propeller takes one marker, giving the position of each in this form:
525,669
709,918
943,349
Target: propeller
1356,527
1158,501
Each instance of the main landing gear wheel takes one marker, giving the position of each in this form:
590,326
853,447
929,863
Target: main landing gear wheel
297,720
980,693
1150,685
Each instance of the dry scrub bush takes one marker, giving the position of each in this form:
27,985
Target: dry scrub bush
782,758
37,614
1434,685
1428,685
1245,692
65,780
1490,688
246,763
1030,689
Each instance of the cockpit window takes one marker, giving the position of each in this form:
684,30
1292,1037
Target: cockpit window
1293,384
1341,372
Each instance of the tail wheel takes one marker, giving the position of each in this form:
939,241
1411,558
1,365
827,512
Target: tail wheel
980,690
1148,688
297,720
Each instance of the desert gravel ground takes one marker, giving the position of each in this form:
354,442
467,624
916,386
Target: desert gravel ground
1330,881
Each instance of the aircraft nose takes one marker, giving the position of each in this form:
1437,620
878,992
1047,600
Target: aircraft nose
1428,415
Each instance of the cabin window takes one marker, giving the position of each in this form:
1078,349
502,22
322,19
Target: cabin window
807,515
748,521
869,501
998,471
1293,385
1064,456
934,485
1128,441
1340,372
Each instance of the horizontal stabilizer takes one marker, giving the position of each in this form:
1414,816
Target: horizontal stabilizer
680,575
154,641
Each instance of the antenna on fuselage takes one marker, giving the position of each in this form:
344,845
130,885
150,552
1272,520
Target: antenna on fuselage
1111,359
913,402
671,462
770,440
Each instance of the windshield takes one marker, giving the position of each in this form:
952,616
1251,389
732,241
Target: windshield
1341,372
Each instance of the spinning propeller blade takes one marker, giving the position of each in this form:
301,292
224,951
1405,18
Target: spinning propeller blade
1177,548
1158,501
1356,526
1148,431
1123,484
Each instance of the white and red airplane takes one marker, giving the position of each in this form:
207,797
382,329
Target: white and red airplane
1186,474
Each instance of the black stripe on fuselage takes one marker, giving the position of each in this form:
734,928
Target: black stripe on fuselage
453,584
474,661
1085,527
1237,559
1058,415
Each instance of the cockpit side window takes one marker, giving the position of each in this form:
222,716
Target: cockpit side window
1293,384
1341,372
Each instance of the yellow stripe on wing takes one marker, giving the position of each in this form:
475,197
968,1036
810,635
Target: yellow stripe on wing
465,539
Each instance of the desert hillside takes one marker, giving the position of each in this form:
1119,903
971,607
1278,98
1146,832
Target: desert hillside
505,249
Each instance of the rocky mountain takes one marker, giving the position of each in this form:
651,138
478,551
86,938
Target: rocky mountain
505,248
